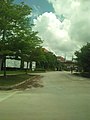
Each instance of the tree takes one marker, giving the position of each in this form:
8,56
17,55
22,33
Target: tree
37,55
83,58
45,60
51,60
16,35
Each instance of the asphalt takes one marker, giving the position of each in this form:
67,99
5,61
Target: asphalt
63,97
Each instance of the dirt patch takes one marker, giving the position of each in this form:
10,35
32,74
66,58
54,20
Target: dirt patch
34,82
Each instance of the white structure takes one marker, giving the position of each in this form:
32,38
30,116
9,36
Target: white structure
33,65
25,65
13,63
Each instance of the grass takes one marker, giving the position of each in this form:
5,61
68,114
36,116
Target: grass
14,72
21,72
13,79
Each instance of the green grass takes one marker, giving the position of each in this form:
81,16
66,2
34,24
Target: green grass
13,79
21,72
14,72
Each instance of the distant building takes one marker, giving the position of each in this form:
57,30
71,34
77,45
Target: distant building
60,58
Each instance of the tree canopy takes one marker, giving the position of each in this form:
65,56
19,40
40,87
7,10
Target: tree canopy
83,58
16,35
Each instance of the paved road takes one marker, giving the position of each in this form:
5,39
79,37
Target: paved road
63,97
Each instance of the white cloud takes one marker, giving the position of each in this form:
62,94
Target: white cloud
54,33
65,7
79,30
77,12
66,37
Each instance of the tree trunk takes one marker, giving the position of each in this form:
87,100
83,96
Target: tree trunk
4,66
0,64
4,58
22,64
27,68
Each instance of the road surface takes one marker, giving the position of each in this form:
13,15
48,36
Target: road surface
63,97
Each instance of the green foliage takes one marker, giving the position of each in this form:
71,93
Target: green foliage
83,57
40,70
51,60
16,35
15,28
38,55
45,60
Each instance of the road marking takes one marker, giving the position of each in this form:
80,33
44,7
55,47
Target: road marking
5,98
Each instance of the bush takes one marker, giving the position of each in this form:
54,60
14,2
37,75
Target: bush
85,74
40,69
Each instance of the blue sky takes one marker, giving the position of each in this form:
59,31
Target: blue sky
38,6
62,24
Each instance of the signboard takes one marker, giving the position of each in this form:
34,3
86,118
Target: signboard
29,65
33,65
25,65
13,63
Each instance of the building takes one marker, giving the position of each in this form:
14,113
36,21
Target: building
61,59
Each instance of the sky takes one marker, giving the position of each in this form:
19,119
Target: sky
62,24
